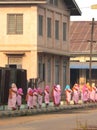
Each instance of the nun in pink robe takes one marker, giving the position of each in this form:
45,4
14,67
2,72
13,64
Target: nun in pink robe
40,96
12,97
29,98
89,90
85,93
68,93
56,94
93,93
76,93
59,94
35,97
96,95
19,97
47,95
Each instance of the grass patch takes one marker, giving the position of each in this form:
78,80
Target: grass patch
85,126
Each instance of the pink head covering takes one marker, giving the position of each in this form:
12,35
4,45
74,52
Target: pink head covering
47,88
35,90
29,90
93,84
14,87
84,88
58,87
20,91
76,85
39,90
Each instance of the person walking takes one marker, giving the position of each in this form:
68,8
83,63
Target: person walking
85,93
96,95
47,95
76,93
68,93
40,96
19,97
93,93
29,98
89,90
56,95
59,94
35,97
12,97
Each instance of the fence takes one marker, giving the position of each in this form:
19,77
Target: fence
8,76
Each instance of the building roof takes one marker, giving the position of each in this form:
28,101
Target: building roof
71,4
17,2
80,37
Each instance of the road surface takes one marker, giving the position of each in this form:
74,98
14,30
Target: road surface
65,120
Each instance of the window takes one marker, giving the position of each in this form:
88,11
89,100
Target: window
19,66
57,30
53,2
57,68
14,23
49,27
64,73
49,69
56,2
41,69
64,31
14,62
40,25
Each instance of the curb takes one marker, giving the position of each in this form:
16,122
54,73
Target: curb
26,112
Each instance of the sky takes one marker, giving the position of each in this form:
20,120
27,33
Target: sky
87,12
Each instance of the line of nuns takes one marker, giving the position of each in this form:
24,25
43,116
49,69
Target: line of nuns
83,92
35,97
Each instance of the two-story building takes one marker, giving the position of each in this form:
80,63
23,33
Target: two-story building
34,35
83,61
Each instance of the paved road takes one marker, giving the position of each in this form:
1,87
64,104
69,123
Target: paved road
65,120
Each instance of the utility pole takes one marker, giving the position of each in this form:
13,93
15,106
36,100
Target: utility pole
91,47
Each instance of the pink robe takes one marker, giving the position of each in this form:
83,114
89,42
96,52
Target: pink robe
19,97
56,96
96,95
12,97
40,96
68,95
76,93
29,98
46,96
85,93
92,94
40,99
35,98
19,100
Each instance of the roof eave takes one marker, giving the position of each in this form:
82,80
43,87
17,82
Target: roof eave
73,7
82,54
22,2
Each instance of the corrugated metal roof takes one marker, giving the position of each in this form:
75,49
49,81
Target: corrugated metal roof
80,35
